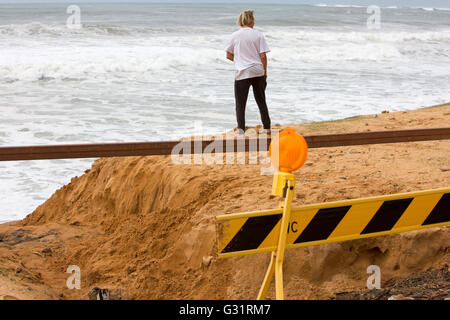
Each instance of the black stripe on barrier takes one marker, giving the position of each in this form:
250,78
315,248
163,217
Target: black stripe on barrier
441,212
387,215
323,224
252,233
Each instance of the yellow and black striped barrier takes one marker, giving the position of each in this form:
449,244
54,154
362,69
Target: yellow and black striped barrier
255,232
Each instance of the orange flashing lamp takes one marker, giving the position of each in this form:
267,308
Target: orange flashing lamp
287,152
292,151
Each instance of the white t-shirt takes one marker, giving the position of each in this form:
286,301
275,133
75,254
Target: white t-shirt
247,44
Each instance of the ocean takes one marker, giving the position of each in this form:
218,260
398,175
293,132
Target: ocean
147,72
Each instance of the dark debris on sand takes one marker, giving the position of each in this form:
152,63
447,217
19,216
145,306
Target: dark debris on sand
427,285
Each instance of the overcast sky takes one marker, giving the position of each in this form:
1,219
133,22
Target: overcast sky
401,3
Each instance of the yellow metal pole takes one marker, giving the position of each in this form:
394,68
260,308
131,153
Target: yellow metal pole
276,260
282,239
268,278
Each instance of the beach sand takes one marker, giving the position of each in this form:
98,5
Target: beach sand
147,226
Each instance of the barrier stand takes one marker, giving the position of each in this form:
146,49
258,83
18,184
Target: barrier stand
288,152
272,230
284,186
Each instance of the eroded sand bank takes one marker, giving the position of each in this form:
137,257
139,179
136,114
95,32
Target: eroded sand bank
146,225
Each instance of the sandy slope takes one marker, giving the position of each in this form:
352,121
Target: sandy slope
146,225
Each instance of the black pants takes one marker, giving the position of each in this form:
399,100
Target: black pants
241,88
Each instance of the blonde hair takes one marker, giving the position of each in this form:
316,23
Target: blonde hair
246,18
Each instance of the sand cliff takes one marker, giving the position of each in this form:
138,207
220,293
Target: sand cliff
146,225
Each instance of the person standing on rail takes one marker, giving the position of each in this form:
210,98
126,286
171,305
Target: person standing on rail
247,49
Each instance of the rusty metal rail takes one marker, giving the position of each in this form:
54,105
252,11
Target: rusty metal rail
71,151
